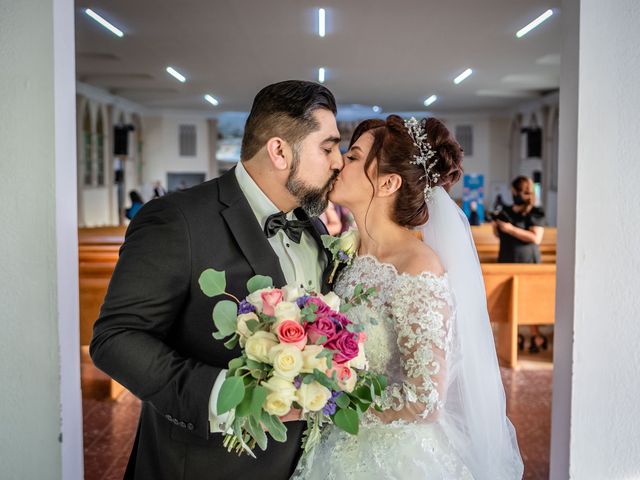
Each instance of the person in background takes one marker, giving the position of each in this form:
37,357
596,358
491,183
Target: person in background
158,190
520,228
474,218
136,204
331,219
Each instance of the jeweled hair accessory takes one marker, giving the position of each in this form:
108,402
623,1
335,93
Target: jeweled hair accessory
426,156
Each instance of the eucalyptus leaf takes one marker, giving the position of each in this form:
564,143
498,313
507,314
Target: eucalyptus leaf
347,420
276,428
328,241
225,315
258,282
232,342
244,407
252,325
258,396
231,394
342,400
218,335
212,282
236,363
256,431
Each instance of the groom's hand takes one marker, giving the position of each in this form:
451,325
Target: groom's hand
293,415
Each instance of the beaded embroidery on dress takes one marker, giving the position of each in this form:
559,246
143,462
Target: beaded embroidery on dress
410,330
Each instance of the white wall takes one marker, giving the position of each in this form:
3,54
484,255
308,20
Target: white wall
41,414
605,425
161,146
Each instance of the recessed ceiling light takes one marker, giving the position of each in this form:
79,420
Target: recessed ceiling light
376,109
212,100
103,22
176,74
321,25
460,78
321,75
430,100
523,31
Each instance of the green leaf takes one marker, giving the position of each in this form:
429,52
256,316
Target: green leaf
364,393
276,428
236,363
321,339
244,407
358,290
342,401
225,315
218,335
256,431
252,325
253,365
212,282
347,420
258,397
345,307
259,282
232,342
231,394
328,241
325,381
383,381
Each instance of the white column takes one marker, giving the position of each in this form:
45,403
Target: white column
41,414
596,388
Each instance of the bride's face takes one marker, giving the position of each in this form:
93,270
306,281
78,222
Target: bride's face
352,187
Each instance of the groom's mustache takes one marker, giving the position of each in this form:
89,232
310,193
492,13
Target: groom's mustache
331,181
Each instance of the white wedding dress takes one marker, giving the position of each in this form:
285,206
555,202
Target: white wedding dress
410,326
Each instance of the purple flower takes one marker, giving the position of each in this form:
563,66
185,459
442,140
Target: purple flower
245,307
297,381
342,256
302,301
330,408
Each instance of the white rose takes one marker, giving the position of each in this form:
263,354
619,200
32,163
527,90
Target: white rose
349,242
360,361
259,344
256,300
332,300
313,396
285,311
286,360
281,395
241,325
310,359
291,293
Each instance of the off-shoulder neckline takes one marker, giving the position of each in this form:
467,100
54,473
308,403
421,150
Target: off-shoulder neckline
391,266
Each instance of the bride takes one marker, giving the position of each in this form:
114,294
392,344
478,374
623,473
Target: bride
443,413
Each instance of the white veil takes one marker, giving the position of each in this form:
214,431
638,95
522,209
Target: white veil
474,415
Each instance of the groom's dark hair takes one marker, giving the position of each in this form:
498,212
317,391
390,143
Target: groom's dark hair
284,110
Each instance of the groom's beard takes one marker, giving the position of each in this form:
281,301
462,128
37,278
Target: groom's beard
313,200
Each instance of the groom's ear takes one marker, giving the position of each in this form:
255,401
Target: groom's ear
389,184
279,153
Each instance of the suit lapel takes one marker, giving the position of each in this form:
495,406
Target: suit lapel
247,231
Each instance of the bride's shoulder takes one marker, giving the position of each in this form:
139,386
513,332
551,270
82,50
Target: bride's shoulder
417,258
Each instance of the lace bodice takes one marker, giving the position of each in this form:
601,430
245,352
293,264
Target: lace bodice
409,329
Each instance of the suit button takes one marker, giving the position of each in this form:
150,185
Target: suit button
183,425
168,417
175,421
190,426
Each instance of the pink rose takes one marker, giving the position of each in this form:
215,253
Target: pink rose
293,333
346,343
345,377
323,326
270,298
323,308
362,337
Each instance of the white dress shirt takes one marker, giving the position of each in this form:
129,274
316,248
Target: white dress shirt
302,265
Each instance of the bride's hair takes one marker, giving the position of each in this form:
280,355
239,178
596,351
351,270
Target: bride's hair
393,150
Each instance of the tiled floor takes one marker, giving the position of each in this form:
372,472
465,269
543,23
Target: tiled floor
109,425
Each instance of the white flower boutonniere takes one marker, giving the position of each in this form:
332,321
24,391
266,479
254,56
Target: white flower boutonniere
342,248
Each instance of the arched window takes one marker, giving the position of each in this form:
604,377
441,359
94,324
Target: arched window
100,171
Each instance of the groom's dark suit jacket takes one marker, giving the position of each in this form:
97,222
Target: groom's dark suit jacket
154,330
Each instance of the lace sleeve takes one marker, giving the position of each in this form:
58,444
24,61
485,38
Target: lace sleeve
422,311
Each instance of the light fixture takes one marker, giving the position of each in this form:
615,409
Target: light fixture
176,74
321,25
103,22
376,109
321,75
430,100
460,78
523,31
212,100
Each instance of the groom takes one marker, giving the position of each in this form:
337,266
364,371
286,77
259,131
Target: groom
154,330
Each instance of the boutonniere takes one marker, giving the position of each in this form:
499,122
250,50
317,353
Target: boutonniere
342,248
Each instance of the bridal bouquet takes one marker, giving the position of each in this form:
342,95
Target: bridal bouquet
300,351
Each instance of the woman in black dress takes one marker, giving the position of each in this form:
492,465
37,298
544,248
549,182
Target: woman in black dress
520,228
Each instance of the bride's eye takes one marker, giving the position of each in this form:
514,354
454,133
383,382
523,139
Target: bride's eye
351,159
327,150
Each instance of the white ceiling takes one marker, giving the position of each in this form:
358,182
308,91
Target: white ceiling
388,53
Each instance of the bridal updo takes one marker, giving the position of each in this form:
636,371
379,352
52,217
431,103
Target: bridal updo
393,150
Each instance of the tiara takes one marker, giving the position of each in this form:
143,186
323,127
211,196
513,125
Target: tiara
426,156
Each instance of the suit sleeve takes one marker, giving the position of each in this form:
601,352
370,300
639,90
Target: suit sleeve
145,298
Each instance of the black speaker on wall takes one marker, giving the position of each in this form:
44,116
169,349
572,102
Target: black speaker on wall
533,138
121,139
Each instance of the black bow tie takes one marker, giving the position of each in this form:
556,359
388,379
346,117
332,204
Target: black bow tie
292,228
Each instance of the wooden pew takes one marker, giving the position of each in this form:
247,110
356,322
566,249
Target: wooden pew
488,244
518,294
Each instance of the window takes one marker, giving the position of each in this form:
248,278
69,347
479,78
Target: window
187,140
